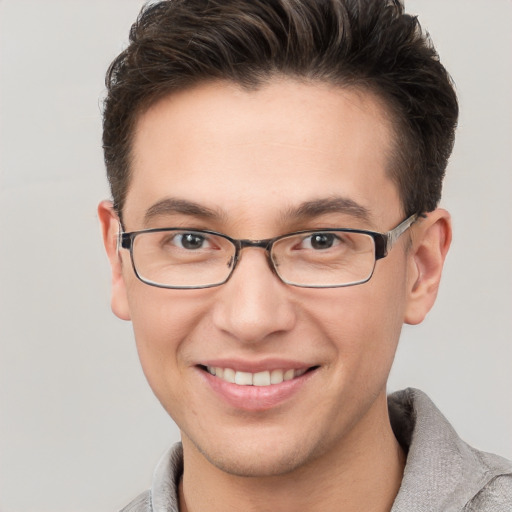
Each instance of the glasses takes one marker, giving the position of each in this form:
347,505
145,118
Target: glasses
326,258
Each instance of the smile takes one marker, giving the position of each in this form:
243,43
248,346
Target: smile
264,378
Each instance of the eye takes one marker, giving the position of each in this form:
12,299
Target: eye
320,241
190,241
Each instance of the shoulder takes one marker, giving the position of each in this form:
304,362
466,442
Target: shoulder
443,472
496,496
141,503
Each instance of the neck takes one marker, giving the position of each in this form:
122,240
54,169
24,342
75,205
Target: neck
363,472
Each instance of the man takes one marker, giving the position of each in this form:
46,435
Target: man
275,169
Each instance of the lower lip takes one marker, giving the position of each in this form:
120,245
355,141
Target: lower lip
256,398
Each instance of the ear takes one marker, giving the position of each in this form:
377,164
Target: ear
431,238
110,227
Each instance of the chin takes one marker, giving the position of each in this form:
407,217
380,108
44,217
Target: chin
258,466
258,459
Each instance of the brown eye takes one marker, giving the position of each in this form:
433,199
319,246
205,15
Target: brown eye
187,241
192,241
321,241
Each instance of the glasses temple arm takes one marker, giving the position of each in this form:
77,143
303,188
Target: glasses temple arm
396,233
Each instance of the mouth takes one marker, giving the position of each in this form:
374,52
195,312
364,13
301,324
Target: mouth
266,388
258,379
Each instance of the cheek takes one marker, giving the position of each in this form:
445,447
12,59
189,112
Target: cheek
363,323
162,320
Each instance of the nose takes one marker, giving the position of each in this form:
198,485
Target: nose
254,304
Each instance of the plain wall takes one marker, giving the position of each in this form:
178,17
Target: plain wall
79,428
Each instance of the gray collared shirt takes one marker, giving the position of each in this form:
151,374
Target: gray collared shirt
442,473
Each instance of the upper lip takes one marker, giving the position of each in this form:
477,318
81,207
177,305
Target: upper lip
256,366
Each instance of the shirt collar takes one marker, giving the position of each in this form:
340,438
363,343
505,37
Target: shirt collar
442,472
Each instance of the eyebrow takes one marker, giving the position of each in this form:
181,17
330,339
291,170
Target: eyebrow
170,206
334,204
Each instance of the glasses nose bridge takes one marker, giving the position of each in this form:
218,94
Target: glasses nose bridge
265,244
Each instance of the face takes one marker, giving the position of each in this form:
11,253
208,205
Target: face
244,163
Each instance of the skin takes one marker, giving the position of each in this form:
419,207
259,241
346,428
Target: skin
253,158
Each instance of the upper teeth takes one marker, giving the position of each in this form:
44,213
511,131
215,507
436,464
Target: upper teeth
265,378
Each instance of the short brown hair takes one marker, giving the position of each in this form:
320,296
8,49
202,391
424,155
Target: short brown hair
371,44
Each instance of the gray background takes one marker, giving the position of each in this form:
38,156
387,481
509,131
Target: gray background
79,427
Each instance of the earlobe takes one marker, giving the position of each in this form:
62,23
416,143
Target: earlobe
430,243
110,227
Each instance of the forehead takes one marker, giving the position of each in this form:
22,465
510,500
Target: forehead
266,150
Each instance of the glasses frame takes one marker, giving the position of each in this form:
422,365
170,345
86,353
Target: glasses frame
383,243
